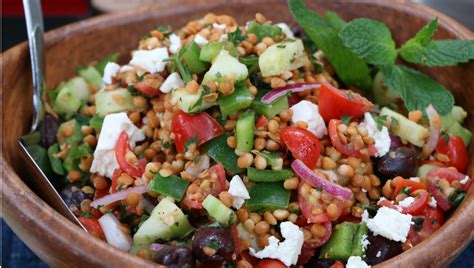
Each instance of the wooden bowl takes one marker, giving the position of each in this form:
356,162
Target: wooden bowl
61,243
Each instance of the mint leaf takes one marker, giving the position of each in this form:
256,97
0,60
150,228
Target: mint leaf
371,40
351,69
236,36
425,35
100,66
439,53
346,119
334,20
417,89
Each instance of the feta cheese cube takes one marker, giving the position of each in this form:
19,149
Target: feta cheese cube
406,202
465,180
433,203
200,40
364,242
389,223
151,61
356,262
308,112
173,81
111,69
286,251
104,162
286,30
381,137
238,191
219,26
175,43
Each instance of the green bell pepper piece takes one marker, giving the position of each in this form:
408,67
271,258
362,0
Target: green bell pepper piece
265,175
245,131
172,186
240,99
96,122
272,109
263,30
249,61
72,160
268,196
31,138
360,235
218,150
73,139
271,158
40,156
54,159
211,50
345,241
191,58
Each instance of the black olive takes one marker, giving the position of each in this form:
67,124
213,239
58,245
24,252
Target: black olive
48,129
175,257
213,245
315,262
73,195
401,161
381,249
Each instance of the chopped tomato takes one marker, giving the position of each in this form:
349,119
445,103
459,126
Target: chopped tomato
456,152
314,202
270,263
147,89
92,226
441,191
202,127
96,213
302,144
200,188
316,242
337,264
262,121
114,184
418,205
401,183
121,149
348,148
433,219
335,103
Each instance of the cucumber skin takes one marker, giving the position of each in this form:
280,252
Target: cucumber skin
226,66
219,211
407,129
272,109
92,76
67,102
245,131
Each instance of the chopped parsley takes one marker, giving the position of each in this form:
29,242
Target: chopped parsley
192,140
418,223
236,36
346,119
406,190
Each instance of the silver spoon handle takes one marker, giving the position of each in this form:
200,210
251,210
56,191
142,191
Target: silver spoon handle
35,28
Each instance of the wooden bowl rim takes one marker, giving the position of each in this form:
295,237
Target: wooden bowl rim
14,186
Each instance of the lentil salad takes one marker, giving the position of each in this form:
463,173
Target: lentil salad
225,144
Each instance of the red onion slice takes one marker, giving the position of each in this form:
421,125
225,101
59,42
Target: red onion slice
316,181
113,234
121,195
435,127
294,88
156,247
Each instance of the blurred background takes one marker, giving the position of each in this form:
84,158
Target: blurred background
59,12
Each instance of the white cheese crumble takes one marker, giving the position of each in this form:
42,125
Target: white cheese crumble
104,161
200,40
381,137
173,81
286,30
415,179
219,26
286,251
364,242
379,253
406,202
238,191
465,180
389,223
175,43
111,69
308,112
433,203
126,68
151,61
356,262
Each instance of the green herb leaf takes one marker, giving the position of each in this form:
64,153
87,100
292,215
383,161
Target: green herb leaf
406,190
418,223
457,197
380,121
346,119
214,244
236,36
334,20
100,66
417,89
371,40
351,69
425,35
193,140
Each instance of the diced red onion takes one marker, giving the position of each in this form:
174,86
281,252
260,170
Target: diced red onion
316,181
395,141
156,247
196,168
113,234
121,195
294,88
435,127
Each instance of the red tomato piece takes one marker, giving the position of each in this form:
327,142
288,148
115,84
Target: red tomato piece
201,126
439,193
262,121
419,205
348,148
121,148
114,184
270,263
335,103
316,242
92,226
302,144
400,183
147,89
313,204
455,150
433,219
337,264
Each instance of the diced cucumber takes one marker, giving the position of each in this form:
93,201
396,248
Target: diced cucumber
67,102
382,94
240,99
464,133
282,57
265,175
220,152
268,196
79,86
211,50
189,102
264,30
407,129
172,186
452,124
272,109
114,101
245,131
54,159
91,75
226,67
166,221
191,58
423,170
345,241
219,211
73,139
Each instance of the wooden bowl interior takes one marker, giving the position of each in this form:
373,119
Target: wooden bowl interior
60,242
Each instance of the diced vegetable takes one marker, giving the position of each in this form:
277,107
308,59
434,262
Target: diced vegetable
189,102
100,66
268,196
119,100
40,156
67,102
172,186
31,138
264,175
91,75
96,122
73,138
219,211
263,30
240,99
245,131
71,162
272,109
282,57
382,94
358,241
56,163
210,51
218,150
346,241
451,124
226,67
79,86
406,129
191,58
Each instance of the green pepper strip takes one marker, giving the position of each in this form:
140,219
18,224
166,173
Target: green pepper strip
218,150
272,109
245,131
54,159
346,241
240,99
263,30
172,186
268,196
191,58
265,175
